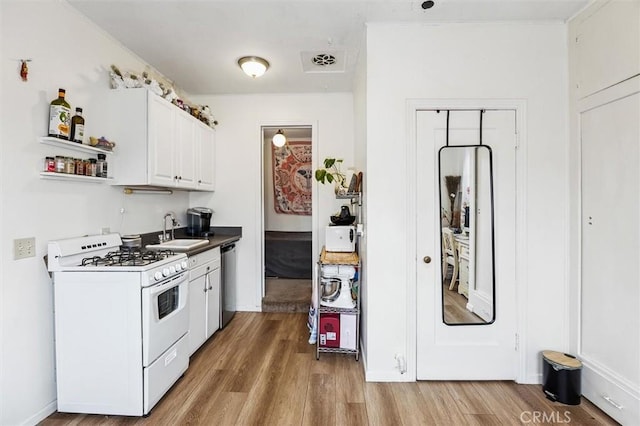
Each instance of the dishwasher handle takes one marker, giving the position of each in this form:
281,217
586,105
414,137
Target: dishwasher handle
227,248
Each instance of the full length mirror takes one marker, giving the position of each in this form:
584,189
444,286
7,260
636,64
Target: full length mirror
467,239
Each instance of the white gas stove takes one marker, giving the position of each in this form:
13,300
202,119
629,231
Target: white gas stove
121,322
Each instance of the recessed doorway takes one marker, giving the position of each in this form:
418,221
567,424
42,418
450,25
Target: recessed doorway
287,219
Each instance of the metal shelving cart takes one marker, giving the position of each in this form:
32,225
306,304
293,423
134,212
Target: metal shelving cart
339,259
351,259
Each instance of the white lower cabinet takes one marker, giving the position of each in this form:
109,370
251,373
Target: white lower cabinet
204,297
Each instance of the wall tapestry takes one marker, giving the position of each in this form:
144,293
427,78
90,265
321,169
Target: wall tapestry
292,178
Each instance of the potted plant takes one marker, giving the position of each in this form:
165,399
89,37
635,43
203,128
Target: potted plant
331,173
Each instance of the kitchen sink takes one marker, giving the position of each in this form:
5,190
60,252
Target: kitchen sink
178,245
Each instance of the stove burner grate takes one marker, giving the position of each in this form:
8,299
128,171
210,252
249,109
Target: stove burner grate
127,257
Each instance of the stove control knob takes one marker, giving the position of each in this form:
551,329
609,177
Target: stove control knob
184,265
178,267
165,272
172,269
157,275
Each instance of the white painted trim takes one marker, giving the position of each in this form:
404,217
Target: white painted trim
611,94
520,107
315,251
46,411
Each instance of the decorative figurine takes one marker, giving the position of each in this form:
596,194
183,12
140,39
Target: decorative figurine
24,70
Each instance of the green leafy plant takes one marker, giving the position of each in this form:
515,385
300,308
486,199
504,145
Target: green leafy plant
331,172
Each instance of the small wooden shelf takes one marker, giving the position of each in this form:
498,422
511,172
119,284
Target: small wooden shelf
339,258
70,177
73,145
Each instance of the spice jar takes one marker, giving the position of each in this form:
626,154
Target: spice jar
49,164
69,165
59,164
79,166
101,170
91,169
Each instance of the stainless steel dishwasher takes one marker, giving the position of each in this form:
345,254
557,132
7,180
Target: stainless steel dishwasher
228,284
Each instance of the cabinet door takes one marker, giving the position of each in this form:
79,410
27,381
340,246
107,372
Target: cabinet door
213,301
197,313
610,295
206,158
185,151
161,141
608,43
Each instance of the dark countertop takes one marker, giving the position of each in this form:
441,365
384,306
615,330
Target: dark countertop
222,236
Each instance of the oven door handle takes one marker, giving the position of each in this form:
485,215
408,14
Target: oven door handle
171,282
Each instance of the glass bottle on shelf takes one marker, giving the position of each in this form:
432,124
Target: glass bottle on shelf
77,126
59,116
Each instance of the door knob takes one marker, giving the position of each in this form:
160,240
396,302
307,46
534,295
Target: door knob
426,259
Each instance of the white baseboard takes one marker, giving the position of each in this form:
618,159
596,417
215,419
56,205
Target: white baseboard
532,379
248,308
42,414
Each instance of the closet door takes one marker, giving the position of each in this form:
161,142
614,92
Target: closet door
610,264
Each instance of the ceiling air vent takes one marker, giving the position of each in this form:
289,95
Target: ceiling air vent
324,59
323,62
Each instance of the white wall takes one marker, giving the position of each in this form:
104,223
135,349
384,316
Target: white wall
472,61
360,118
239,166
65,51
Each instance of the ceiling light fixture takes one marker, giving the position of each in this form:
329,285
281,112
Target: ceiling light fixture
279,139
253,66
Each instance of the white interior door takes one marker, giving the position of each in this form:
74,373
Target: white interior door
465,352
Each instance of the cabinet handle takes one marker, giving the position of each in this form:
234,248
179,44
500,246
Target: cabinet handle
175,177
199,181
612,402
426,259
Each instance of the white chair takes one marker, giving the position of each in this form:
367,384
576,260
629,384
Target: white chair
449,256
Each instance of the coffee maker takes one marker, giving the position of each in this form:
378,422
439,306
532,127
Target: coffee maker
199,221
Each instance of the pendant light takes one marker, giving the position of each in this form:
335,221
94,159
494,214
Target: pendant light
253,66
279,139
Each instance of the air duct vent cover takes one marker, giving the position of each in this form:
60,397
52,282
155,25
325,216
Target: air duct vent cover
323,61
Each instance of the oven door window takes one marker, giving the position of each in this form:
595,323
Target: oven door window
168,301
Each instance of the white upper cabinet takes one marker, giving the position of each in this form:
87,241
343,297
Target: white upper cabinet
205,157
184,150
158,144
608,45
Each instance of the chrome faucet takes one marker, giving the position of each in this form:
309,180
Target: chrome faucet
174,222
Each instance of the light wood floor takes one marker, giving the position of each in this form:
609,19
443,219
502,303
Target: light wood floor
455,307
261,370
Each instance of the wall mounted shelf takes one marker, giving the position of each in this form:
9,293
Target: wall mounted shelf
70,177
61,143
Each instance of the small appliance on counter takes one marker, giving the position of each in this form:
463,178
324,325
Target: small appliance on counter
340,238
199,221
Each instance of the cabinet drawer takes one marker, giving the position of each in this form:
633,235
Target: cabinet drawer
609,396
203,262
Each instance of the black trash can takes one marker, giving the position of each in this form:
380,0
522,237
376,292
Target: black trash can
561,377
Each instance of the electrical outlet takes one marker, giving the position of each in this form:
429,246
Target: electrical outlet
24,247
105,231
